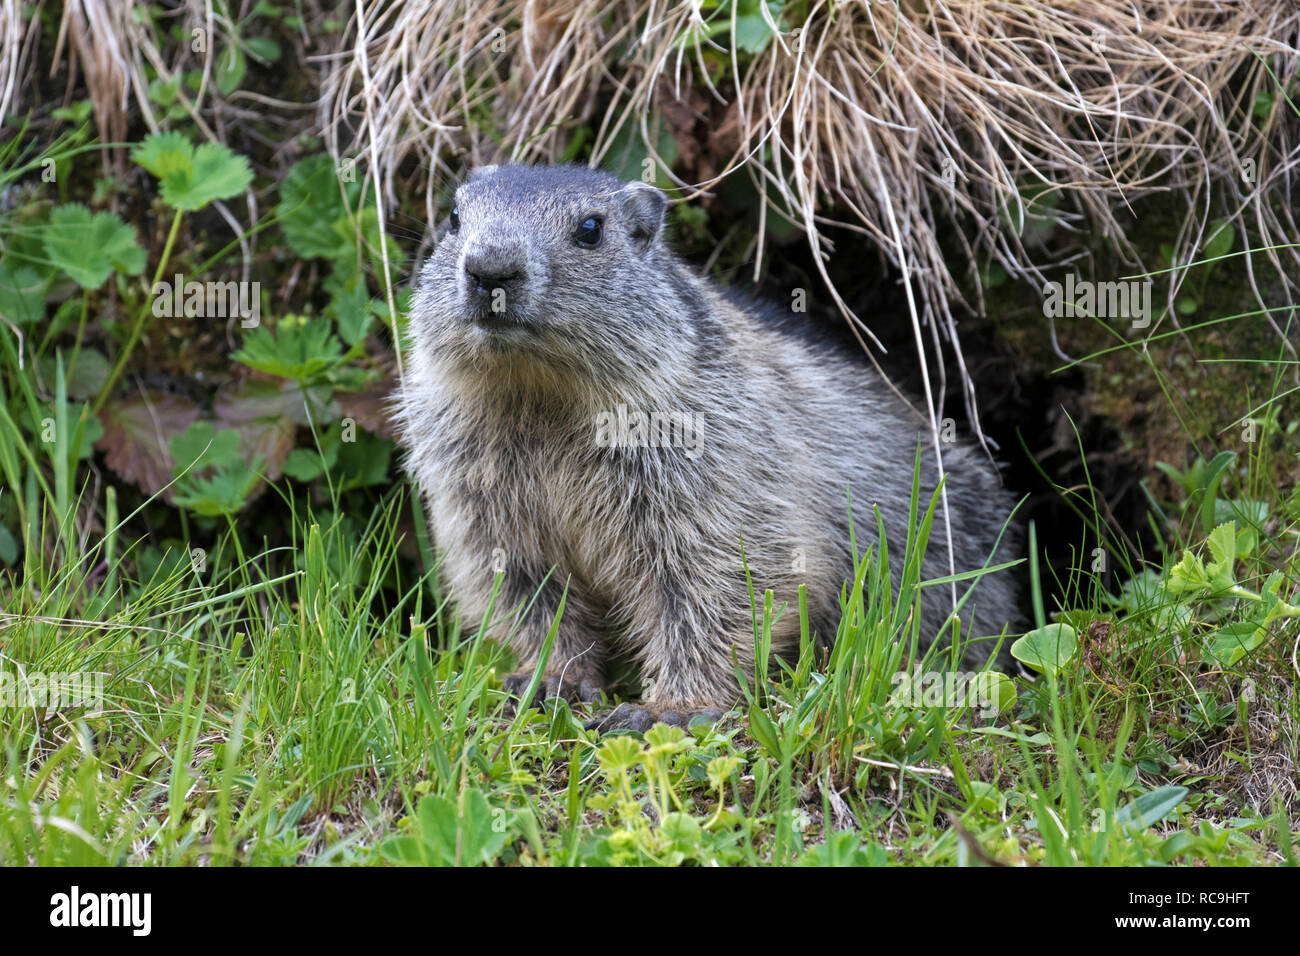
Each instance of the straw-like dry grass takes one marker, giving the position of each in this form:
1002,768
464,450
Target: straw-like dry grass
899,121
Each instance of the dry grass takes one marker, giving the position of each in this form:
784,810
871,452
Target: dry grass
905,121
11,55
116,49
940,131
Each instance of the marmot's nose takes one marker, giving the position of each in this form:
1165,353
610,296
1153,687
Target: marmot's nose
492,269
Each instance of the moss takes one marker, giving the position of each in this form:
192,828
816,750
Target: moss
1179,394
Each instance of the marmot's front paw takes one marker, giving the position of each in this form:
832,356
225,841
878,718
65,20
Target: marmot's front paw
552,685
644,716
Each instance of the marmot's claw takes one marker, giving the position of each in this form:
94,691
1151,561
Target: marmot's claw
642,717
550,686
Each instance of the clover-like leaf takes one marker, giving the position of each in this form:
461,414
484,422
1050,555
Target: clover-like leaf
720,770
89,248
192,177
664,740
1046,649
617,754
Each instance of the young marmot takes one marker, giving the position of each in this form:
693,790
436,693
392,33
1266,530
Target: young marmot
583,410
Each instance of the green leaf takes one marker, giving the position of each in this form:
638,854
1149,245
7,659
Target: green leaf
683,833
752,32
76,113
362,463
618,754
230,68
1046,649
307,464
22,300
1188,576
351,309
1210,486
191,178
89,248
447,835
996,692
165,92
1233,642
222,494
202,446
299,349
1222,236
1223,546
264,48
87,377
1151,807
844,848
764,731
165,155
1223,543
311,204
720,770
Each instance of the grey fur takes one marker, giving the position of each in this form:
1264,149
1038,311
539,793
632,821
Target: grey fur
499,412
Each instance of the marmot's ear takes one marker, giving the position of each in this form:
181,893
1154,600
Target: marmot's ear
644,207
478,172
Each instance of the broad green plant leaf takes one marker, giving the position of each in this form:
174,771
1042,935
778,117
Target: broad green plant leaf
192,177
448,835
1046,649
202,446
224,493
89,248
298,349
1151,807
1233,642
22,298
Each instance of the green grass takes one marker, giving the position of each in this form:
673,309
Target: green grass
279,680
314,704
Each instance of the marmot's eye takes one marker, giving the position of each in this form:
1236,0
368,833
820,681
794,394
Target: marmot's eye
455,219
590,232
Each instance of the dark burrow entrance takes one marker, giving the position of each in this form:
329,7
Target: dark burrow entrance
1039,428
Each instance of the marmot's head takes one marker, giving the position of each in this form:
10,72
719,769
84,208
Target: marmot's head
553,263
